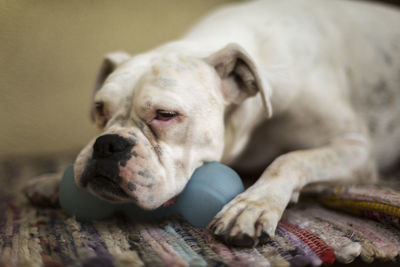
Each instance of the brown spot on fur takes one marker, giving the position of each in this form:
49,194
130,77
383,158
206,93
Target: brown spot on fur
146,107
155,71
179,164
275,172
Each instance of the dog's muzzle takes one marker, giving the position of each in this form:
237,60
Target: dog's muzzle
102,171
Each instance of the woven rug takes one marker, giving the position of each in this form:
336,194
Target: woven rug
339,224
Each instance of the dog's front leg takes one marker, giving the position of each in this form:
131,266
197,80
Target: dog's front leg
43,190
254,214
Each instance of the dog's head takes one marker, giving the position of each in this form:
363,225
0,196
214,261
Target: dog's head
162,115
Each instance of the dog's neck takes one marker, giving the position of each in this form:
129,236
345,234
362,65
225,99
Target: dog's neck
239,121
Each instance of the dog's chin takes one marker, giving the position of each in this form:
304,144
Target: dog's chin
120,197
109,197
106,189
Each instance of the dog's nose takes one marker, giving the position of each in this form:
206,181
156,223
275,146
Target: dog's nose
110,144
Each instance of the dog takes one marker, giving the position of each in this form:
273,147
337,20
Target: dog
308,91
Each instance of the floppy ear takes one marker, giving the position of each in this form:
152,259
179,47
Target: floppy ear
239,76
110,62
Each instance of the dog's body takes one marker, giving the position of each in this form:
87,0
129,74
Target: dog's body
317,79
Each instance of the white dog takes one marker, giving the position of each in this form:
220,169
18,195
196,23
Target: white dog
307,90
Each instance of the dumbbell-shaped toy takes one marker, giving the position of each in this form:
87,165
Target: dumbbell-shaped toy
211,186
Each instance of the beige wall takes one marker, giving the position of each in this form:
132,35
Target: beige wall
49,55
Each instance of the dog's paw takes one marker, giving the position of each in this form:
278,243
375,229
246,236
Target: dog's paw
43,190
247,221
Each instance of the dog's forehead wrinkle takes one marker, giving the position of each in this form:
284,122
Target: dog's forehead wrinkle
110,91
177,67
121,116
168,89
120,119
128,73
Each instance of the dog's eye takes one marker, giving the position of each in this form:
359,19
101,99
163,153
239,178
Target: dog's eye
101,114
99,106
165,115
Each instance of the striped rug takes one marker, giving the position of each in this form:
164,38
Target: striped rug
339,224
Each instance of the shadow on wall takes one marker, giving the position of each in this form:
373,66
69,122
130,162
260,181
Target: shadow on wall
50,52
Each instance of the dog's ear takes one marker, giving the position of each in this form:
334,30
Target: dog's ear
110,62
239,76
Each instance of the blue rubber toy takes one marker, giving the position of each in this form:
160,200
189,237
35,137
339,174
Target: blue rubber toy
211,186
